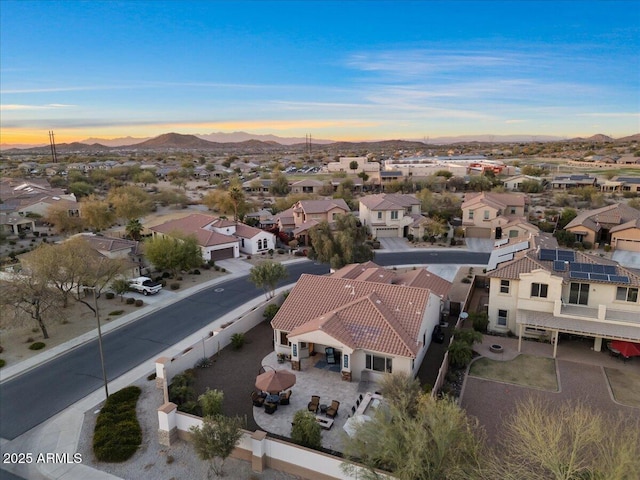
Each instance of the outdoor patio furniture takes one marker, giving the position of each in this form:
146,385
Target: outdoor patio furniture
323,408
332,411
272,398
325,423
314,404
284,398
353,410
330,353
258,401
270,408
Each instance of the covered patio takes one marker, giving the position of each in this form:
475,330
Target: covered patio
315,379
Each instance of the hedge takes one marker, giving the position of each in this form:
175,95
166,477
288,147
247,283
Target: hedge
117,434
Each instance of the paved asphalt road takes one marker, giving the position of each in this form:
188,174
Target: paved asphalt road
40,393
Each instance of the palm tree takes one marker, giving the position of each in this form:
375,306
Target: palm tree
133,229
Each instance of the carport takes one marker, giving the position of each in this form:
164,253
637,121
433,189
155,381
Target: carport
597,329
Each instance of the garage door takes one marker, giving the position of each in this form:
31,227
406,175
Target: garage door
222,254
477,232
386,232
628,245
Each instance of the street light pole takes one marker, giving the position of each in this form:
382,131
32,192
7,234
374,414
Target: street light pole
104,372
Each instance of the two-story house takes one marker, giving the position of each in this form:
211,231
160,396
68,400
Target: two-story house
485,214
389,214
546,292
309,213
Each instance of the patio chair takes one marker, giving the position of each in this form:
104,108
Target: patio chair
353,410
360,397
314,404
284,398
332,411
330,353
270,408
257,400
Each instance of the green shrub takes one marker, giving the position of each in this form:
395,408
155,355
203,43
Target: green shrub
117,434
270,312
305,430
174,286
237,340
211,402
37,346
139,303
130,301
480,321
196,272
109,295
2,363
116,312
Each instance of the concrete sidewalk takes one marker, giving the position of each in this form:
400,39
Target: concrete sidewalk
60,433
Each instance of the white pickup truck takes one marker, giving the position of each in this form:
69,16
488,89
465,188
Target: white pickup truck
145,285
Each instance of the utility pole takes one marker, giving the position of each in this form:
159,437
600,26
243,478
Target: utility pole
52,142
104,372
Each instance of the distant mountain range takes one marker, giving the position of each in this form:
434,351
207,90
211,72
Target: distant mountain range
225,142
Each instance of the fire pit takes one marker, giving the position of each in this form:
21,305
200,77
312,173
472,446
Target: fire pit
495,348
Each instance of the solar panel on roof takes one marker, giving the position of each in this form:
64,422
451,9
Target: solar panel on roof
599,276
609,269
618,279
579,275
559,266
597,268
567,255
546,254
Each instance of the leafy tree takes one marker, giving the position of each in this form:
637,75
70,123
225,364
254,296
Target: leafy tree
171,197
58,215
211,402
81,189
456,183
232,200
444,173
130,202
266,275
145,177
531,186
480,183
353,165
96,213
415,437
471,336
120,286
566,216
566,441
305,430
173,253
460,353
270,312
344,245
215,439
279,185
134,229
534,171
434,227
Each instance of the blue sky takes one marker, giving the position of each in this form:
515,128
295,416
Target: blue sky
340,70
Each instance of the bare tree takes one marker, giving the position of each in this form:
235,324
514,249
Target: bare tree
544,441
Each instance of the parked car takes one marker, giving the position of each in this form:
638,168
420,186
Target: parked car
145,285
437,335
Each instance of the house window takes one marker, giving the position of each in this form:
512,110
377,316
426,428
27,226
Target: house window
345,361
334,216
379,215
394,215
378,364
579,293
486,214
504,286
295,350
513,210
470,214
539,290
284,340
627,294
502,318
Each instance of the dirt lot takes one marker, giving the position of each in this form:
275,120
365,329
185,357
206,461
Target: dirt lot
16,334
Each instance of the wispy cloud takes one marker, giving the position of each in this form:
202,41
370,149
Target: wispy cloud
50,106
610,114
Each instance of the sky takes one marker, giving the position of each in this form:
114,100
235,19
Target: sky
360,70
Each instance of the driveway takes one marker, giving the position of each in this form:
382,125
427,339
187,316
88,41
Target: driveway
479,244
395,244
627,259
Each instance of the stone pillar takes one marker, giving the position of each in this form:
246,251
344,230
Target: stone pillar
167,428
161,376
295,365
346,376
258,447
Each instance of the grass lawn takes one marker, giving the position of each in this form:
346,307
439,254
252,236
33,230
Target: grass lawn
525,370
625,386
